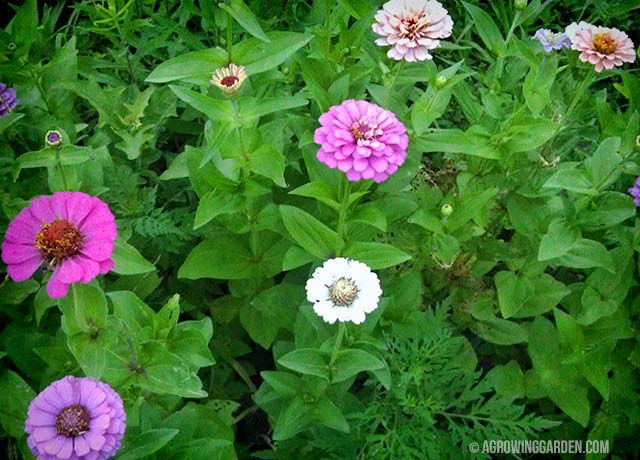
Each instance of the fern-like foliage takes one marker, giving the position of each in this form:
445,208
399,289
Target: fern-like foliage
437,406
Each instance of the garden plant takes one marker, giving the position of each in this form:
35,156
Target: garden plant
319,229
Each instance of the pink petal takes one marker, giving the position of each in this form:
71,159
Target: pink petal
39,417
59,203
69,271
67,450
56,289
100,423
97,249
96,441
24,228
81,446
56,444
41,209
15,253
78,206
90,267
106,265
23,270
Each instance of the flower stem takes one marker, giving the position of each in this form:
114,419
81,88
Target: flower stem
346,191
342,328
61,168
327,26
398,70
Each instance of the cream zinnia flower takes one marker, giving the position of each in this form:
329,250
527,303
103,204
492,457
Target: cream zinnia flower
412,28
229,79
343,290
604,47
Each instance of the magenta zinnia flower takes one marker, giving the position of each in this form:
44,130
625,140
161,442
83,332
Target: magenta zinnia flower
75,419
361,139
70,233
603,46
412,28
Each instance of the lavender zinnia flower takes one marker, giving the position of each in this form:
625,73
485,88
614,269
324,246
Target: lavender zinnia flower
75,419
635,192
551,40
8,100
362,140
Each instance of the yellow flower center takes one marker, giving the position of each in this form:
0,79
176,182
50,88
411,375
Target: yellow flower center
343,292
604,43
57,240
412,24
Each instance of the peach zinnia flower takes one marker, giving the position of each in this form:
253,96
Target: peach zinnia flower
412,28
604,47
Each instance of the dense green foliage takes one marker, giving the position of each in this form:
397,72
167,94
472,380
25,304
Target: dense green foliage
505,245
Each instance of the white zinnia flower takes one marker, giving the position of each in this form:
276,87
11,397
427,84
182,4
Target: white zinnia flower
229,79
572,29
344,290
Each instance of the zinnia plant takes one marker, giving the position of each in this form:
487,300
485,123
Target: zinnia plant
362,140
69,233
75,419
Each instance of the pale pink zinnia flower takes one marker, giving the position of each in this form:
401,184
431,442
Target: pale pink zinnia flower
412,28
229,79
68,233
604,47
361,139
75,419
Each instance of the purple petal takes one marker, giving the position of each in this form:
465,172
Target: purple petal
15,253
97,249
106,265
41,209
23,270
56,289
69,271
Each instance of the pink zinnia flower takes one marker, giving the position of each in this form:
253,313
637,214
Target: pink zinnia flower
70,233
361,139
75,419
412,28
604,47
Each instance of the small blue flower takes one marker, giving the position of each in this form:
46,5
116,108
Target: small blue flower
551,40
635,192
8,100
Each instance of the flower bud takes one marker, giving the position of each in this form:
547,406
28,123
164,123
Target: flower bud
53,138
441,81
637,147
520,4
446,210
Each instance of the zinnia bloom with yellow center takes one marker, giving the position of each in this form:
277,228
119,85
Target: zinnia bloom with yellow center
412,28
603,47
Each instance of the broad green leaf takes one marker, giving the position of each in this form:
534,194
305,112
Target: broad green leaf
285,384
513,291
15,397
295,418
251,107
586,254
137,315
427,220
258,56
500,331
216,203
8,120
376,255
430,106
455,141
136,447
547,293
215,109
328,414
350,362
468,207
320,191
197,64
12,293
559,239
608,209
604,162
508,380
573,180
296,257
268,162
527,134
537,85
486,29
309,232
308,361
128,261
371,215
445,248
243,16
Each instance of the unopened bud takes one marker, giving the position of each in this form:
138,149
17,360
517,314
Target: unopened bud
53,138
638,143
520,4
441,81
446,210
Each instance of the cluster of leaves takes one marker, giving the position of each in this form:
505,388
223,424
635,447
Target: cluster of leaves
223,212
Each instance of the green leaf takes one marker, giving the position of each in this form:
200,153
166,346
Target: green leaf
243,16
350,362
128,260
15,397
285,384
8,120
328,414
430,106
468,207
508,380
608,210
258,56
513,292
268,162
604,162
486,29
371,215
198,65
547,293
295,418
251,107
538,82
559,239
573,180
586,254
500,331
309,361
309,232
136,447
445,248
528,134
167,318
12,293
214,204
456,141
320,191
215,109
376,255
427,220
296,257
137,315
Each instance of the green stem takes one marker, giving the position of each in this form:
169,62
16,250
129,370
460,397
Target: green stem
229,36
327,26
398,70
62,174
342,327
344,201
43,95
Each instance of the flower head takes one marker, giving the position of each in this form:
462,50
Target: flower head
361,139
604,47
75,418
229,79
635,191
53,138
412,28
552,41
69,233
344,290
8,100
